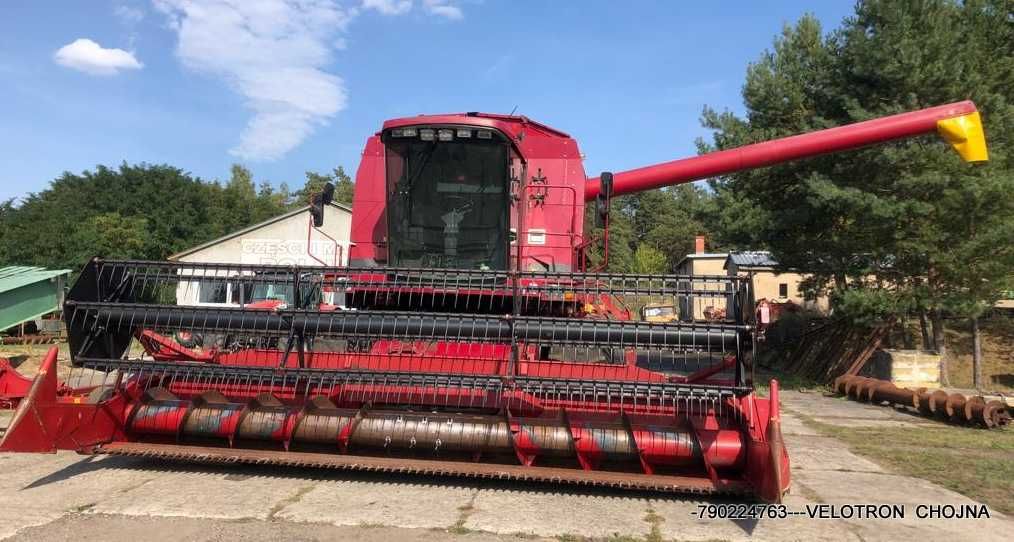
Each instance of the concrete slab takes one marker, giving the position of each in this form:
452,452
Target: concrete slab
215,494
820,453
836,410
64,495
506,511
37,489
679,522
795,426
428,506
107,528
808,452
866,487
862,422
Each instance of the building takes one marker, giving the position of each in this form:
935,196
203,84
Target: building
1006,303
767,283
29,293
759,266
287,239
702,264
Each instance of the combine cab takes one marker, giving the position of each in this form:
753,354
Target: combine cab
471,339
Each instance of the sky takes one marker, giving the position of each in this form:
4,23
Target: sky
286,86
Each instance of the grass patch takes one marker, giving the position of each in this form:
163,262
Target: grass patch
623,538
655,521
787,381
977,463
291,499
84,507
465,511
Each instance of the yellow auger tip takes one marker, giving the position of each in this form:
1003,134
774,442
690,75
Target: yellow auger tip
965,134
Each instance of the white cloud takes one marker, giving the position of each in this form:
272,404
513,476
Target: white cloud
388,7
128,15
441,8
275,54
444,8
87,56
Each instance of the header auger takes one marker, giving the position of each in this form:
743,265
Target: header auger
465,338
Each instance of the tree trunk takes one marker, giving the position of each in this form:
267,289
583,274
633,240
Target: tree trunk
939,345
924,327
976,354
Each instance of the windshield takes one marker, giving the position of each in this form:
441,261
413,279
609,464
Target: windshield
447,203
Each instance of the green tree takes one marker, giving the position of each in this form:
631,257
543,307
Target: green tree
344,187
670,219
621,238
110,235
648,260
907,221
666,220
133,211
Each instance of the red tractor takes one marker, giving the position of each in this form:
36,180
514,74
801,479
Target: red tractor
473,337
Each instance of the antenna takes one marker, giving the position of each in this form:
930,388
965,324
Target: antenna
512,111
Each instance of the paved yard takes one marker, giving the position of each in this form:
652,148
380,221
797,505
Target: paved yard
70,496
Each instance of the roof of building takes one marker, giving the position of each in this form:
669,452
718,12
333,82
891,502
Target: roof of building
751,258
705,255
16,276
248,229
701,256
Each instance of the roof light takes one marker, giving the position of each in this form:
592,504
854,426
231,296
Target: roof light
396,133
484,134
464,132
426,134
409,132
445,135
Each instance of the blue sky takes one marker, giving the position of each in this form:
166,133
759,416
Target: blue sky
283,86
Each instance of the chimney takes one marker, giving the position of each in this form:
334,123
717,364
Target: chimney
699,243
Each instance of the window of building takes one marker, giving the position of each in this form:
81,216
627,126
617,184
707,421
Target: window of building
783,290
214,291
240,293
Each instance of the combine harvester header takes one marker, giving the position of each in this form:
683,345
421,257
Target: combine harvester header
470,336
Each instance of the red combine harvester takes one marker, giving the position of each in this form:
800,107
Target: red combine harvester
467,336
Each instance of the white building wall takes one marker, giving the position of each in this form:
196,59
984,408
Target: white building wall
283,242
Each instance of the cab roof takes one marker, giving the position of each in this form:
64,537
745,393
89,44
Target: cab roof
512,125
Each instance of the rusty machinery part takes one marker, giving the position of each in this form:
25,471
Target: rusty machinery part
954,407
399,465
30,339
645,442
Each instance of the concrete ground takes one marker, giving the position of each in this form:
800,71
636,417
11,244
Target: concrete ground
45,497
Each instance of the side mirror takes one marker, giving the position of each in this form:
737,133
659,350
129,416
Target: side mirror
603,200
317,203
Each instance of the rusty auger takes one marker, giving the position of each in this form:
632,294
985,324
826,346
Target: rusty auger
955,408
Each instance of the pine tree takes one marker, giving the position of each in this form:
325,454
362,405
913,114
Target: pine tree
887,229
